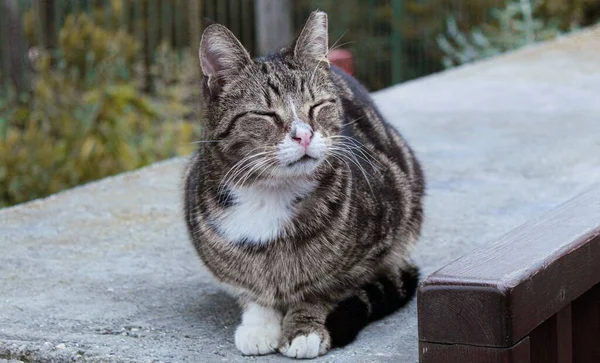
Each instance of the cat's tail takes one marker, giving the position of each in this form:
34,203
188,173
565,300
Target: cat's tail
374,301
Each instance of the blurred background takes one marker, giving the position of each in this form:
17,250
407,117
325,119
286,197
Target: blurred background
91,88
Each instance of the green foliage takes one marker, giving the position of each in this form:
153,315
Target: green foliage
87,117
571,13
368,28
517,24
363,28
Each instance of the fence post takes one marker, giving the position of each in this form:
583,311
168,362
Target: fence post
397,13
195,23
14,60
273,25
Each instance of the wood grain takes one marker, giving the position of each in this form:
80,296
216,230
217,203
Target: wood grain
564,335
551,342
451,353
498,294
586,327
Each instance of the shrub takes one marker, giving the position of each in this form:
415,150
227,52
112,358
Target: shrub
517,24
86,116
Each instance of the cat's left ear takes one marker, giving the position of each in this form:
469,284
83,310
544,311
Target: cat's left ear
221,56
312,44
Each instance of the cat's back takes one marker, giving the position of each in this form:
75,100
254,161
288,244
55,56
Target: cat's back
354,95
369,134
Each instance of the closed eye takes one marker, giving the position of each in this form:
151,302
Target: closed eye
264,114
314,108
272,115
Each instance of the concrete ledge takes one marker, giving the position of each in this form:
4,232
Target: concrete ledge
105,272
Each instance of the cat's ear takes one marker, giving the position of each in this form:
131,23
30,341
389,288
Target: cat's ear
312,43
221,56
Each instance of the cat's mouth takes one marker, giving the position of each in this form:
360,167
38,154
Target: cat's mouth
304,159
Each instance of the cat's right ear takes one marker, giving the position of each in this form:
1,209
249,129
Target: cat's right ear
311,45
221,56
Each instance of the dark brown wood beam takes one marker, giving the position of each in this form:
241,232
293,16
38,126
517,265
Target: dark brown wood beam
520,286
458,353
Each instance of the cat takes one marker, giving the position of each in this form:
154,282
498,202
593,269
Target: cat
302,201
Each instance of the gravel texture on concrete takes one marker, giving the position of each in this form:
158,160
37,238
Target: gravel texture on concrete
105,272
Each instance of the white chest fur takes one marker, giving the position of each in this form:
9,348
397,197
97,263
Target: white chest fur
260,214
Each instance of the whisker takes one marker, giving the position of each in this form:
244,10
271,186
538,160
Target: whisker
354,157
343,158
353,121
240,173
374,163
254,169
327,54
334,47
237,165
360,168
368,156
362,157
241,170
223,185
266,167
235,168
338,39
202,142
355,142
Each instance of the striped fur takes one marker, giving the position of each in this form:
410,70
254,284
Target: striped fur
340,257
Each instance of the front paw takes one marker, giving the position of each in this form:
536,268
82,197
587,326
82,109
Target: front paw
257,339
309,345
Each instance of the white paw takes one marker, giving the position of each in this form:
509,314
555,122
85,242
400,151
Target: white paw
257,339
304,346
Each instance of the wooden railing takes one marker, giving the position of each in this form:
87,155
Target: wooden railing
533,296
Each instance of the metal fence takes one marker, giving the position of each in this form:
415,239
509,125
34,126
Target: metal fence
392,40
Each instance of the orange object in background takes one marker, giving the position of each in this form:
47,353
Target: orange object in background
343,59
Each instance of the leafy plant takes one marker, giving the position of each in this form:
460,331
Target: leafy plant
87,117
516,25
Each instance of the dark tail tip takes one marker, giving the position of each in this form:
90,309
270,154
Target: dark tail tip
410,282
347,320
385,297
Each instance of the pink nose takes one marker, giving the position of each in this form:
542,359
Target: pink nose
302,135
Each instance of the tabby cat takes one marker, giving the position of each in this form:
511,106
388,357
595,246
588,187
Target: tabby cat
302,200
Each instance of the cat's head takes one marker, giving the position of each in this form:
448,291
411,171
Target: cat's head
271,118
